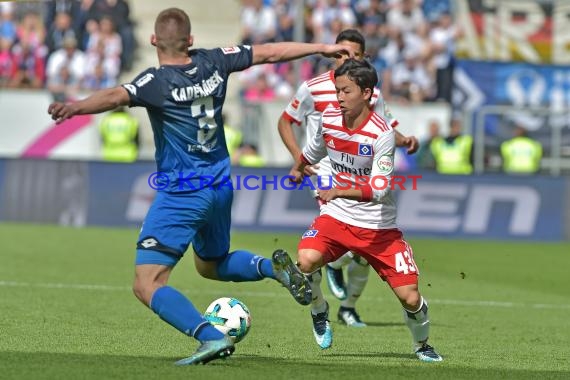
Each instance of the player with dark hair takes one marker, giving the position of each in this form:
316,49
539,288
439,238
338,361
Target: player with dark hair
359,212
311,99
184,99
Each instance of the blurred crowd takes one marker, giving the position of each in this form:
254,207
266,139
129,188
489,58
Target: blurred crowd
65,45
410,42
68,45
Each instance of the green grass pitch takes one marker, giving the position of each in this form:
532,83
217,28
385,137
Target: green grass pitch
498,310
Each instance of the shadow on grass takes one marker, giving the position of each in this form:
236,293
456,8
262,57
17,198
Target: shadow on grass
384,324
399,324
41,365
395,355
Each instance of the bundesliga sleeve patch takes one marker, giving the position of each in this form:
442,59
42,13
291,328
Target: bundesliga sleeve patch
385,164
310,234
130,88
231,50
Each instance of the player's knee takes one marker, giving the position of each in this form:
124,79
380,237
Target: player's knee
309,260
411,300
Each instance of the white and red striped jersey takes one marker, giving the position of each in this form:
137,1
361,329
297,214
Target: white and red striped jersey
364,154
316,95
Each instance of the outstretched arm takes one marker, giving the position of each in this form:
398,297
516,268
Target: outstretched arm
99,101
286,51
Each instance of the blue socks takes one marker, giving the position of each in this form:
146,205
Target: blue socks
177,310
244,266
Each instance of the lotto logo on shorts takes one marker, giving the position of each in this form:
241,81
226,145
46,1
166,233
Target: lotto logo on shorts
310,234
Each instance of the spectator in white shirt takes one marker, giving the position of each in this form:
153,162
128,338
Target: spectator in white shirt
408,17
65,70
410,79
259,23
328,13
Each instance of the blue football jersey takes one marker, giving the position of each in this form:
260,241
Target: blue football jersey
184,104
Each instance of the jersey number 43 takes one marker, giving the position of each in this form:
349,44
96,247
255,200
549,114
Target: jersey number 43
405,263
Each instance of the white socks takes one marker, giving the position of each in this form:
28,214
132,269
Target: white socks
418,323
318,305
357,277
341,261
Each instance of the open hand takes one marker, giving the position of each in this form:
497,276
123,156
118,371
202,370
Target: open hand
338,50
412,143
327,195
61,111
296,175
311,170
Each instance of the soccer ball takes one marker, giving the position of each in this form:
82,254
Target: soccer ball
230,316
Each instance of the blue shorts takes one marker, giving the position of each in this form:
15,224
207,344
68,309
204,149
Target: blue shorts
175,220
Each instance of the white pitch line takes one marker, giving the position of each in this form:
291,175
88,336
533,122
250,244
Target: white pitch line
17,284
500,304
96,287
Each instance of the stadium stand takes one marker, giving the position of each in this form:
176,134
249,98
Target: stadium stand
409,47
